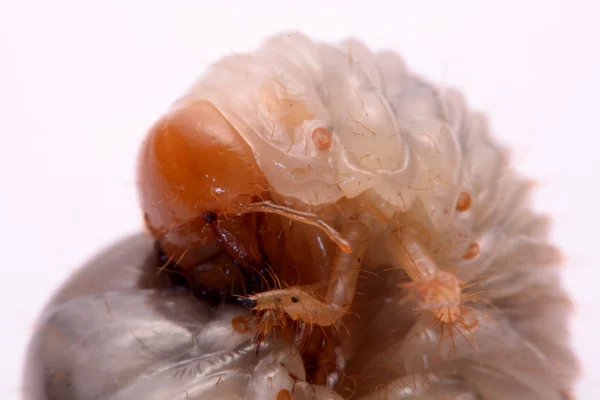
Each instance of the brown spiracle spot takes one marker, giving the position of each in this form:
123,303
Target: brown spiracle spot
284,395
472,251
322,138
240,324
464,201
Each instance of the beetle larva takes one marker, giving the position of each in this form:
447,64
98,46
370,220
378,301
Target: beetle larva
316,165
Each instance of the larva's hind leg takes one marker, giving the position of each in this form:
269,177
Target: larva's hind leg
439,291
323,303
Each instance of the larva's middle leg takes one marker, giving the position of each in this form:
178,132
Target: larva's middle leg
323,303
439,290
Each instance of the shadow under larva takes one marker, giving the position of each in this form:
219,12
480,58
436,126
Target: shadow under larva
362,225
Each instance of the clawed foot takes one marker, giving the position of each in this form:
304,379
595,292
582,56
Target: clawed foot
441,295
299,303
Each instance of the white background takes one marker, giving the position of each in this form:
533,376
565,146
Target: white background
81,81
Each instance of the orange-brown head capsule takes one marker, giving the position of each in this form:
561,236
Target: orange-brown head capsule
192,166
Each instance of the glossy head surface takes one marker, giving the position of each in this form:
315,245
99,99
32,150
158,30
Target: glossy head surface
193,164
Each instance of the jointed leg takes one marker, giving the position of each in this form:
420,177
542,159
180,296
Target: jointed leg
439,290
301,302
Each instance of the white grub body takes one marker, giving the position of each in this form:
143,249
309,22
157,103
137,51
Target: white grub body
407,149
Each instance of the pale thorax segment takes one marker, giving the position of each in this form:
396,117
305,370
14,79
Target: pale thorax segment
392,140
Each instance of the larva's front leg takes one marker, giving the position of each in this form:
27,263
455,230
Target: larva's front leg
323,303
439,290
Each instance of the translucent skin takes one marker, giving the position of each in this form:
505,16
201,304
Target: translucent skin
414,181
